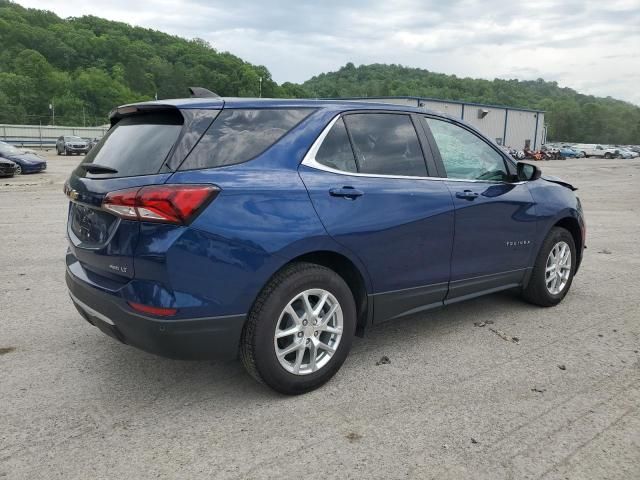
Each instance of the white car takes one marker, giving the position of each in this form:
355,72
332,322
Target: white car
594,150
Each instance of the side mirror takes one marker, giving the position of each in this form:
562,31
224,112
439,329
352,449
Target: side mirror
528,172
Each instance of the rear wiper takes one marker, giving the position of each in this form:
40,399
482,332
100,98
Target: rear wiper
97,168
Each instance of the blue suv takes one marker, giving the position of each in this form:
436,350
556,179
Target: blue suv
277,230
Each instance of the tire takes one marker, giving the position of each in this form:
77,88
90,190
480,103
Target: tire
66,152
18,169
607,155
258,343
537,290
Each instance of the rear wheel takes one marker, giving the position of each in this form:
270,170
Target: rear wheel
300,329
607,155
554,269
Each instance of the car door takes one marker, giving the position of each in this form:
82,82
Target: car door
368,180
495,218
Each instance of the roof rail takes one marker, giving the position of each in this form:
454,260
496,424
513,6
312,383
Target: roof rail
199,92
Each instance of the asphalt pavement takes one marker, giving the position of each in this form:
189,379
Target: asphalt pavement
459,398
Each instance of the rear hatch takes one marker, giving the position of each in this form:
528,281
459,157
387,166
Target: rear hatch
138,151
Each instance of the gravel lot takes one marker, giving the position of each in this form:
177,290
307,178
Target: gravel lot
456,400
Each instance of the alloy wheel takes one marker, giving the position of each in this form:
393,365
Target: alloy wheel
308,331
558,268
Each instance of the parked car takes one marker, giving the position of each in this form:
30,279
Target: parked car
589,150
567,152
627,153
93,142
277,230
26,162
570,148
69,145
7,167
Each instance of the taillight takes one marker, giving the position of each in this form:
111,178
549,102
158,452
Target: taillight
160,203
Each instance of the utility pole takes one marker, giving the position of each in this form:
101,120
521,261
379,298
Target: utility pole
260,81
52,107
84,121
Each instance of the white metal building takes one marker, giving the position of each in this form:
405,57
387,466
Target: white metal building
514,127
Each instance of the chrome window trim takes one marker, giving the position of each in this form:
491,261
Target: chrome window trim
309,160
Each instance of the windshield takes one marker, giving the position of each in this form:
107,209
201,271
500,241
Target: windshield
7,149
74,139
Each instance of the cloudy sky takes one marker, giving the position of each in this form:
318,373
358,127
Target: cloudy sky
592,46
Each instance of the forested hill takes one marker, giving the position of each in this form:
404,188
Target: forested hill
85,66
96,64
570,116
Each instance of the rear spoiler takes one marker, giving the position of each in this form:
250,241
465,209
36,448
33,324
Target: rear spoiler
119,113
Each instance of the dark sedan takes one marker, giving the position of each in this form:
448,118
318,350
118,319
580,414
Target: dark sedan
25,162
7,168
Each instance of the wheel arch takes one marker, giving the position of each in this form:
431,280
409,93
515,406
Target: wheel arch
347,269
573,226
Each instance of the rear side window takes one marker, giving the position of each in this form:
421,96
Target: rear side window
237,136
335,151
137,145
386,144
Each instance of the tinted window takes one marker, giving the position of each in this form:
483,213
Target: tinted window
465,155
240,135
335,151
386,144
137,145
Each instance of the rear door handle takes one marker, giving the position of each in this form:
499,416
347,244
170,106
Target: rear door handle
467,195
346,192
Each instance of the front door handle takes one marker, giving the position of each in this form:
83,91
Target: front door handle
467,195
346,192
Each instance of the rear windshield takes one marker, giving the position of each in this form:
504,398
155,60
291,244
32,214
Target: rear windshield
237,136
137,145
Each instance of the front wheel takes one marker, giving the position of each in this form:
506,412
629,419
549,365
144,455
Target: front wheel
554,269
300,329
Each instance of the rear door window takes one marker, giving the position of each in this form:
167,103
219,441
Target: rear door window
237,136
386,144
137,145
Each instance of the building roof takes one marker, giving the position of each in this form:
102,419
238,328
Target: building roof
440,100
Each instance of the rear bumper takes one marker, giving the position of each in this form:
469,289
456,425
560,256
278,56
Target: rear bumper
197,338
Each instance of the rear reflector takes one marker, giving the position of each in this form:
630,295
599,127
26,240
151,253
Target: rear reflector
160,203
158,311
